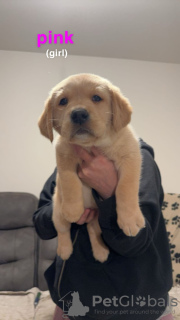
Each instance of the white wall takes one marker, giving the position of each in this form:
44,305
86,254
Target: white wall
27,158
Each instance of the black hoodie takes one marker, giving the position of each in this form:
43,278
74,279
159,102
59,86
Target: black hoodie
134,282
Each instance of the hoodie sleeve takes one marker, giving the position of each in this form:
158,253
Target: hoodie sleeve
150,199
42,217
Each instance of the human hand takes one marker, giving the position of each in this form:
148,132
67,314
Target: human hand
87,216
97,171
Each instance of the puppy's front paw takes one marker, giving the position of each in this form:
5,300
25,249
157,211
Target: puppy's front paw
65,251
131,224
72,212
101,254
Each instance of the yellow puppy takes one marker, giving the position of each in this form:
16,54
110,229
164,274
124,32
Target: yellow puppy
88,110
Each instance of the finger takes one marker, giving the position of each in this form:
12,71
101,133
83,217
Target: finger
80,172
83,218
82,153
93,213
95,151
90,216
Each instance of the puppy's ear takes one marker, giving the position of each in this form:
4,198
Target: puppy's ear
45,121
121,109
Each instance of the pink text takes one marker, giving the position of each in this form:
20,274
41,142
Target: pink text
56,38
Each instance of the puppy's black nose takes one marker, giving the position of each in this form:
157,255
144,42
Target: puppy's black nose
79,116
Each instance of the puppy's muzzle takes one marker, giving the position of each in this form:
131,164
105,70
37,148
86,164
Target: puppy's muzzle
79,116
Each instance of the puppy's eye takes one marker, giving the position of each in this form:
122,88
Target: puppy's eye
63,102
96,98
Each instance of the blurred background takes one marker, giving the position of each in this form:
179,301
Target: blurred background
135,44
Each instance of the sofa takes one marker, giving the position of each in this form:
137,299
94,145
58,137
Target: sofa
24,257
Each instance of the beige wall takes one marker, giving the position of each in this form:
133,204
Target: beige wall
27,158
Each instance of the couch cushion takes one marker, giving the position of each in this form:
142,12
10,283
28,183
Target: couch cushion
171,213
46,254
18,239
15,205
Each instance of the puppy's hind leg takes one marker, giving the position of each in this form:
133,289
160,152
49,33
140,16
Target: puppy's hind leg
63,227
100,250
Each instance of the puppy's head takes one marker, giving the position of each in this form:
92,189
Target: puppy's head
84,108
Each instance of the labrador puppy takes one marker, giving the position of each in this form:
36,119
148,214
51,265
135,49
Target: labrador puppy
88,110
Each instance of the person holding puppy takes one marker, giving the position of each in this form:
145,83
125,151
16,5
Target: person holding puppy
134,282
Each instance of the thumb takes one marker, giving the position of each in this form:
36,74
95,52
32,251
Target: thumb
79,172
